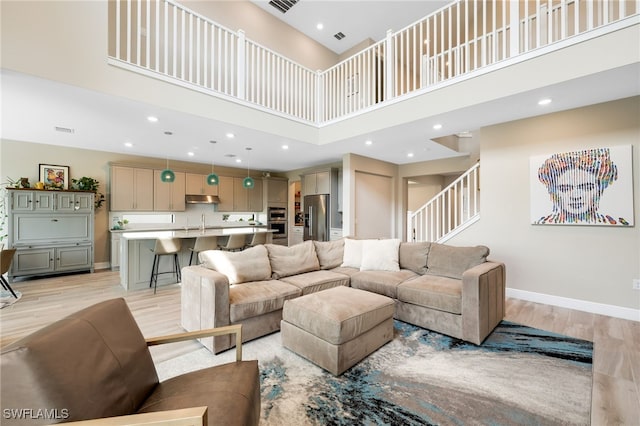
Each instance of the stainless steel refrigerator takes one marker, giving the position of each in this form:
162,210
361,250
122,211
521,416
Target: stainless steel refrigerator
316,217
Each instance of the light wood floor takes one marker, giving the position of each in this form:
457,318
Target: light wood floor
616,361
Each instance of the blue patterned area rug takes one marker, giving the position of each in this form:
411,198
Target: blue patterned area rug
518,376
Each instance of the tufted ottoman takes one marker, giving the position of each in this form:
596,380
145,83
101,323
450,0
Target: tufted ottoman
338,327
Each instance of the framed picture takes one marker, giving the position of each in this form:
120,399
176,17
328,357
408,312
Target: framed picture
54,177
587,187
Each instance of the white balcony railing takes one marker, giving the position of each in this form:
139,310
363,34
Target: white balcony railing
163,39
450,211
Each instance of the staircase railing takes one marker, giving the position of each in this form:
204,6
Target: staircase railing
449,212
166,40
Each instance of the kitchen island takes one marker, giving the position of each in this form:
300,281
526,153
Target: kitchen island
136,252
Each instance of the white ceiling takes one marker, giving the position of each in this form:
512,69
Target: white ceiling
358,20
33,107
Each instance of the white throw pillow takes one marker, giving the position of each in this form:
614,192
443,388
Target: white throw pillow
248,265
380,255
352,256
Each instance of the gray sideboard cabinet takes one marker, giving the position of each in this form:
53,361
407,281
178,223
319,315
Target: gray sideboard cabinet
52,231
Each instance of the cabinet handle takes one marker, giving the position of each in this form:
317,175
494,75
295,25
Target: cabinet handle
54,220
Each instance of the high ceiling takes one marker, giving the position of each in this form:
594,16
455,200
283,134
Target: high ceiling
33,107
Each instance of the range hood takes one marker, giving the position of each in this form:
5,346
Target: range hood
202,199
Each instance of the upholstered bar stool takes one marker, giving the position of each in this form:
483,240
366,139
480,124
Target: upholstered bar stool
163,247
258,238
235,242
202,244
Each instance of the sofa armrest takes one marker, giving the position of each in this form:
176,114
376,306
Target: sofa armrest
205,304
194,416
483,299
211,332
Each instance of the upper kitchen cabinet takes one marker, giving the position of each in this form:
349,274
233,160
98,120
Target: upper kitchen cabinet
169,196
277,191
131,189
225,193
196,184
247,199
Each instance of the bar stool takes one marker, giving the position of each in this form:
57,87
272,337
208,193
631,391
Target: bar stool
202,244
165,246
257,238
234,242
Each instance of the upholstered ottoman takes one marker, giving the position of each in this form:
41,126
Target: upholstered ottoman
337,328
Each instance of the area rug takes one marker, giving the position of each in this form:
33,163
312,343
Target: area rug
7,299
518,376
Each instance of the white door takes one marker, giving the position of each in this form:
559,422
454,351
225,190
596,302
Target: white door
373,206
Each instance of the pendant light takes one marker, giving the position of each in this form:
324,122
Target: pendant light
212,178
167,175
248,181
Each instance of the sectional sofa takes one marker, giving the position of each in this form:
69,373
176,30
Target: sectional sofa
451,290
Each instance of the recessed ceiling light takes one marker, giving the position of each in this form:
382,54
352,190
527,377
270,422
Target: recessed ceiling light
319,26
368,142
437,126
190,154
128,144
230,135
410,155
238,160
545,101
152,119
285,146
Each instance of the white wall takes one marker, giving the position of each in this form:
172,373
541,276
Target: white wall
590,264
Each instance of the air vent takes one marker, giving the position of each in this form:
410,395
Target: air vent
64,129
283,5
339,35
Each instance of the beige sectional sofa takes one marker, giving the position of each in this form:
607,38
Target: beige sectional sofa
451,290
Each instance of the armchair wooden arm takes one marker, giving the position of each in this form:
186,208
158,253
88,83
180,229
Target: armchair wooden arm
194,416
210,332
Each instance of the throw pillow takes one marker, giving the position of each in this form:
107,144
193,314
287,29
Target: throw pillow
330,253
451,261
244,266
286,261
352,255
380,255
413,256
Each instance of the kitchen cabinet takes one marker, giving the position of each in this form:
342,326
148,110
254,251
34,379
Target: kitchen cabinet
296,235
169,196
236,198
316,183
52,231
277,191
115,251
196,184
131,189
335,234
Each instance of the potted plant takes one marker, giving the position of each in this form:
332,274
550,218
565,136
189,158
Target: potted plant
90,184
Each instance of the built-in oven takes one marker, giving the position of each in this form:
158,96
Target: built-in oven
277,214
279,228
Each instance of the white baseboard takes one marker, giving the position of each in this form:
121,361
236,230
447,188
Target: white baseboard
580,305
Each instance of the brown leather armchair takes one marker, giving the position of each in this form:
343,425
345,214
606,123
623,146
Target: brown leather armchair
95,364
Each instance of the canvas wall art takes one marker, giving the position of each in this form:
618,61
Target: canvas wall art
586,187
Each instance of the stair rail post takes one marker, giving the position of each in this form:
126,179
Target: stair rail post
390,68
241,65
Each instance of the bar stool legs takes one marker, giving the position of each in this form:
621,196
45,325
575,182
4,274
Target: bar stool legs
165,246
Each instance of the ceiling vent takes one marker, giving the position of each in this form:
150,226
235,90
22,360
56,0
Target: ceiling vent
283,5
64,129
339,35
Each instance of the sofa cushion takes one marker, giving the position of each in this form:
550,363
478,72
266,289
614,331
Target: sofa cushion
451,261
330,253
286,261
352,257
380,255
311,282
413,256
381,282
259,297
441,293
248,265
